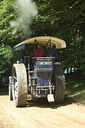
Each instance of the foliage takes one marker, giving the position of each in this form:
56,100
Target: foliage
76,89
5,55
7,39
6,14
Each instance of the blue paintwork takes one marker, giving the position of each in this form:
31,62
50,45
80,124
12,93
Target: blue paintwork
43,71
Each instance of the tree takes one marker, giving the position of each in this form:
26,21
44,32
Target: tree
7,39
64,19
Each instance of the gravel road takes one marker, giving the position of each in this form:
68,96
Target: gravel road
40,114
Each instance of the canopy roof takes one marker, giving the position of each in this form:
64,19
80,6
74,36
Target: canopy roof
42,40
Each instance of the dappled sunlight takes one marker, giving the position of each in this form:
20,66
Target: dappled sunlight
76,90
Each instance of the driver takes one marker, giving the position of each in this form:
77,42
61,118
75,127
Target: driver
39,52
51,52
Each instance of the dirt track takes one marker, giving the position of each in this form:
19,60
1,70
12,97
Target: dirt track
40,114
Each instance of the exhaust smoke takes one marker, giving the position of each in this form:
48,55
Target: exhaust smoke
27,10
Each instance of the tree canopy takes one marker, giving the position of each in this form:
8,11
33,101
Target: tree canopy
62,19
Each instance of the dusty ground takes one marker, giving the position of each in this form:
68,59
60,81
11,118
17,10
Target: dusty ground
40,114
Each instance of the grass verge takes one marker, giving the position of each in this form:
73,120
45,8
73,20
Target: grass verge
76,90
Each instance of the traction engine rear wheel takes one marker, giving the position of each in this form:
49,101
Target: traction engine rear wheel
59,84
19,85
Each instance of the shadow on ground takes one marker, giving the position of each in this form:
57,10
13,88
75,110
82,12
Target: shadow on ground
43,103
4,91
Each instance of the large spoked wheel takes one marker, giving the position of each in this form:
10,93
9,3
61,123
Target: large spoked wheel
10,87
59,93
19,85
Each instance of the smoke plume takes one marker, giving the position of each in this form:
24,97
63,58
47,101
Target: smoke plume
27,10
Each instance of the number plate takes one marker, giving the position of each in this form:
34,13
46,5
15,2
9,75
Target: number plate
50,97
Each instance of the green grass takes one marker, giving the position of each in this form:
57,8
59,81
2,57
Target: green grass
76,89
